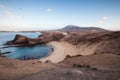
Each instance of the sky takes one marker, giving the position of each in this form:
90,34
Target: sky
53,14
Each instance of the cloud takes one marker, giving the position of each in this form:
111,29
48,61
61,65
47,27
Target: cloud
18,17
49,10
101,21
11,15
8,14
106,18
2,6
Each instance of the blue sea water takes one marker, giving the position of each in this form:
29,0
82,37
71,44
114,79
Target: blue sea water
34,52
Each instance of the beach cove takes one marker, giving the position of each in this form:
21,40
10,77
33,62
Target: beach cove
22,52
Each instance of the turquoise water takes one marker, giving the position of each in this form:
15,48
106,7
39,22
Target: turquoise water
34,52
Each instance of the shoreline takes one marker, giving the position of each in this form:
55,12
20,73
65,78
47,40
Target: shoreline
26,57
65,53
57,54
50,52
63,49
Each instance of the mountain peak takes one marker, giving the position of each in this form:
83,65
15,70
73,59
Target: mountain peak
77,28
69,26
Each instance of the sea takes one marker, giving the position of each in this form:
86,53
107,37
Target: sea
22,53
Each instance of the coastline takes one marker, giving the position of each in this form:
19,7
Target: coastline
57,54
62,49
50,52
73,61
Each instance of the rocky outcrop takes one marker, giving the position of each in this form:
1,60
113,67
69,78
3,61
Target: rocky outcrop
42,39
108,42
22,40
51,36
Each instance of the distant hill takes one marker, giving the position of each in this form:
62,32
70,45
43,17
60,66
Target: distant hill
77,28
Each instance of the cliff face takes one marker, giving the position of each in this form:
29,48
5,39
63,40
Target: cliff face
108,42
22,41
51,36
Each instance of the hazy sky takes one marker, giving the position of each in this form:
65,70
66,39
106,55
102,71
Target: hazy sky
53,14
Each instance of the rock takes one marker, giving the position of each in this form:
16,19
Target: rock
77,65
6,52
68,56
0,55
31,43
9,43
43,39
20,39
48,61
51,36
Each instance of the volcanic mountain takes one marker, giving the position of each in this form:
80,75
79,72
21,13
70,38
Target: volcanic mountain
77,28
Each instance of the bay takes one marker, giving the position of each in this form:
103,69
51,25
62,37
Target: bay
34,52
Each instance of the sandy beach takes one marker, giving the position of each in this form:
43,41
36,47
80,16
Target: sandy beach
58,53
62,49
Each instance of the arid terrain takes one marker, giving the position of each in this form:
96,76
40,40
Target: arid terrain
89,55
